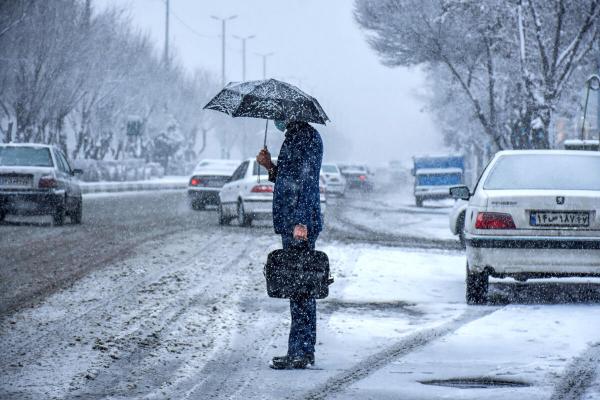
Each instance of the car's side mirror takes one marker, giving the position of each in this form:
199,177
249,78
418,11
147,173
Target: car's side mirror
76,171
460,192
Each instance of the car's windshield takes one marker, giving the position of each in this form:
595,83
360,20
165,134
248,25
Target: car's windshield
545,171
25,156
330,169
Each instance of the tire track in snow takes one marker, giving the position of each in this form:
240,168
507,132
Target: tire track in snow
160,370
411,343
37,341
579,375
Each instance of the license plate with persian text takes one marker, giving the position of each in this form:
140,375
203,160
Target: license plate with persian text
15,180
560,218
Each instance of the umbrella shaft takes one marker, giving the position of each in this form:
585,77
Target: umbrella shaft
266,127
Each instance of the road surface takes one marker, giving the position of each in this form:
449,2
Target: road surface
149,299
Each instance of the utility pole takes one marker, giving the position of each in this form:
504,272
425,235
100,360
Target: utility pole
243,39
264,62
223,30
166,55
598,97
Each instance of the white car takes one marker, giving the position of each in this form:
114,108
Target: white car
249,195
206,181
533,214
37,179
457,220
334,180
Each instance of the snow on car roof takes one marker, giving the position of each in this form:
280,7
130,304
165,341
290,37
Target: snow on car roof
434,171
214,172
216,166
547,152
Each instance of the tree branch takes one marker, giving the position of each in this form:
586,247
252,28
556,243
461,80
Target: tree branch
538,37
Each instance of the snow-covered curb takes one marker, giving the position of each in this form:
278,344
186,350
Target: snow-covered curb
167,183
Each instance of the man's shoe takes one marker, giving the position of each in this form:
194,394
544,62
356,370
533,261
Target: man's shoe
311,358
297,362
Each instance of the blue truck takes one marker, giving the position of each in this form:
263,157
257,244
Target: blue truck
435,175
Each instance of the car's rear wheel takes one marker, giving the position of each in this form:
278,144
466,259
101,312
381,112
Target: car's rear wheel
477,287
223,220
2,216
58,217
198,204
419,201
77,213
242,217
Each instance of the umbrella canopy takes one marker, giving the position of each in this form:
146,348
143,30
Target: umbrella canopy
268,99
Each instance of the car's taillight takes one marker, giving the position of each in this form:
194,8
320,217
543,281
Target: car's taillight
493,220
47,182
362,178
262,189
195,181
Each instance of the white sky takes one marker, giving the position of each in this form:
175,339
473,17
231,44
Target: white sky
319,47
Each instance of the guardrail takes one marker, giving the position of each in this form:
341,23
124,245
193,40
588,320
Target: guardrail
113,187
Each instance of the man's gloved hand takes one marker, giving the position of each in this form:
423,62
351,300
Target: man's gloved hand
264,159
300,232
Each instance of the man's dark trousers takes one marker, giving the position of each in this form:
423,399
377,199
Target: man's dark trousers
303,329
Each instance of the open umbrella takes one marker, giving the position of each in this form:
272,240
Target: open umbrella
268,99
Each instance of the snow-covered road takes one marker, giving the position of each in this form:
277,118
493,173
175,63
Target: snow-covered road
175,307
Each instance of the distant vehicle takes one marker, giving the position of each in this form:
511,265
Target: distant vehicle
357,176
37,179
434,175
457,220
248,195
206,181
399,173
334,180
533,214
576,144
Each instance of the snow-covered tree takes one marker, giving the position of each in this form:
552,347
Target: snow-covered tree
509,60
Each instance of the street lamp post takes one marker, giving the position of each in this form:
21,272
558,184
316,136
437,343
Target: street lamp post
592,83
264,62
243,39
223,30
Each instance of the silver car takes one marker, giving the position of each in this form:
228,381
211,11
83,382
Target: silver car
37,179
334,180
533,214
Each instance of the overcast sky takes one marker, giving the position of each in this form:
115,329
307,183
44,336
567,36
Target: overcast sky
318,46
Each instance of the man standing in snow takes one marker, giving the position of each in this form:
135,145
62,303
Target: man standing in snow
297,218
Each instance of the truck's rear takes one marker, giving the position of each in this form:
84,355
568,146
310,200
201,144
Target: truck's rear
434,175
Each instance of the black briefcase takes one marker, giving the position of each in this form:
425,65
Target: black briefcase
297,272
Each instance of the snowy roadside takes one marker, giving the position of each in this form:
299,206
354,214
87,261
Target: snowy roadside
397,318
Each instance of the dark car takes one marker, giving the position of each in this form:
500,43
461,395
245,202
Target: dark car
357,177
37,179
